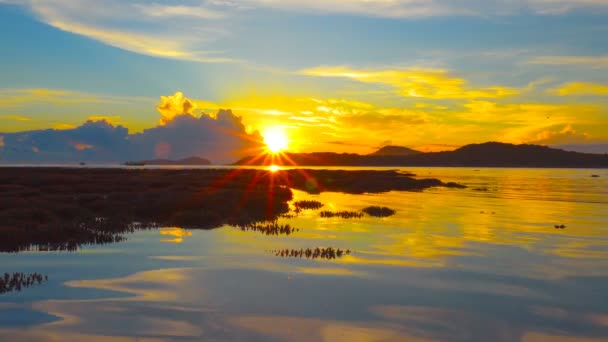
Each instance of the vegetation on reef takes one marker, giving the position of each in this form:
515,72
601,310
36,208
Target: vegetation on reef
269,228
307,204
326,253
342,214
18,281
61,209
356,181
378,211
64,208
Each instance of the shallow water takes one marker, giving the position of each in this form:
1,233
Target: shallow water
483,263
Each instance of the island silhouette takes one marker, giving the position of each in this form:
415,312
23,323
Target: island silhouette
489,154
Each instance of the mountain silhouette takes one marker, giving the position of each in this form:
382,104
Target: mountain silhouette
490,154
391,150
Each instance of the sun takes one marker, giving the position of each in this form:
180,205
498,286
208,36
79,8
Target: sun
275,139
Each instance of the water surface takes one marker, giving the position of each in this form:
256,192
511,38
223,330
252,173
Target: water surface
483,263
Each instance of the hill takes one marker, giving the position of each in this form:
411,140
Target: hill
490,154
394,151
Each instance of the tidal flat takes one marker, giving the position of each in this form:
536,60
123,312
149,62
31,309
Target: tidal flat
64,208
451,264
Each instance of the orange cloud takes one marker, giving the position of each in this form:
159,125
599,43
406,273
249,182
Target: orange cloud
566,135
580,88
62,126
435,84
15,117
174,105
1,141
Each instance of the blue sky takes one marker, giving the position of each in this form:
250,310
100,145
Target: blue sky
352,67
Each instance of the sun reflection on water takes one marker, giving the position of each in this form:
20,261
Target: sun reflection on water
496,251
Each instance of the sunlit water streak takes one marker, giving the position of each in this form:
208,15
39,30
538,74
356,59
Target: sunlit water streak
483,263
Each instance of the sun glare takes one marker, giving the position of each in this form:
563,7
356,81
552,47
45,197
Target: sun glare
275,139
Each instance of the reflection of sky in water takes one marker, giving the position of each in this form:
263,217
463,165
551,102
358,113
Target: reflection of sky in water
452,264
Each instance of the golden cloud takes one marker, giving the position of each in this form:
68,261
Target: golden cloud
435,84
63,126
21,97
567,135
15,117
174,105
580,88
543,114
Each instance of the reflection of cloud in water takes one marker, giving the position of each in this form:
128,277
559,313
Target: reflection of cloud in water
310,329
165,282
442,227
539,336
177,232
49,335
330,271
446,324
177,257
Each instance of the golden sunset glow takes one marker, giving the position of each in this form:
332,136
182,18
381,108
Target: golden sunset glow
276,139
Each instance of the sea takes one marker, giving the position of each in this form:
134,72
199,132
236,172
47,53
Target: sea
485,263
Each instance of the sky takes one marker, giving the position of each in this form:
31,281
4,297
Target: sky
343,76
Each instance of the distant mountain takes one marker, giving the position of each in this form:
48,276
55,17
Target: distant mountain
476,155
394,151
185,161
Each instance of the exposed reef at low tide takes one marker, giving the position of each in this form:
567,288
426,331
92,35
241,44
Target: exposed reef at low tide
64,208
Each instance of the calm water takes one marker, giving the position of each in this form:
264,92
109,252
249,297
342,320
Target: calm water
451,265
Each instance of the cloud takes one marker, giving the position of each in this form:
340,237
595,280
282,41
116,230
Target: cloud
427,8
178,31
565,135
178,11
580,88
15,117
1,141
91,141
221,138
416,82
187,29
586,61
384,120
174,105
10,98
528,114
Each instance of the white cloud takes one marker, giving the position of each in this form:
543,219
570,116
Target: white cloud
587,61
176,31
430,8
186,29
